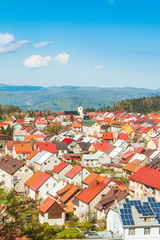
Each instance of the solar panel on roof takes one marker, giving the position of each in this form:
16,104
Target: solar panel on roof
151,199
127,200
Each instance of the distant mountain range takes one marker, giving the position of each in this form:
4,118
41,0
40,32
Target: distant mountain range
67,97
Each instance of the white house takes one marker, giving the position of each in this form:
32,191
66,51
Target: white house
61,169
95,160
39,188
13,173
76,175
52,212
135,219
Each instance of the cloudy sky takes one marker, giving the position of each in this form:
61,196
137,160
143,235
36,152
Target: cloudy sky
105,43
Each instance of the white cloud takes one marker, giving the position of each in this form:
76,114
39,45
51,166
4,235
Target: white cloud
62,58
42,44
37,61
98,67
9,44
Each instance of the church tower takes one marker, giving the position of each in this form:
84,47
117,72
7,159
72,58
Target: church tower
80,109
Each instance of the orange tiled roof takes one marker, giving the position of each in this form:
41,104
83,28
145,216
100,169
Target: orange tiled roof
70,193
32,179
32,154
108,136
90,178
23,148
77,125
132,167
63,190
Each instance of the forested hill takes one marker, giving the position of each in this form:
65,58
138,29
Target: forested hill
137,105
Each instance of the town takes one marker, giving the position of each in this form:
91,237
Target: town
98,172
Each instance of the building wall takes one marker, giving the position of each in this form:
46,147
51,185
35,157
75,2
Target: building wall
61,175
52,222
139,234
23,174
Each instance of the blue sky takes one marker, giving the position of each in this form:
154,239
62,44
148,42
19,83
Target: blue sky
105,43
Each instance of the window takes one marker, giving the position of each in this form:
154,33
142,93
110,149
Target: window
26,170
147,219
47,185
147,231
20,170
48,161
131,231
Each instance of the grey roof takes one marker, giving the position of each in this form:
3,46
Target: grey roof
154,163
84,146
10,164
61,146
41,157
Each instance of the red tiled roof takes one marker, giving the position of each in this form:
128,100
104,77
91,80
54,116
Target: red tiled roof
60,167
74,171
46,146
155,140
67,140
89,193
139,150
147,176
20,120
101,146
123,136
46,204
40,181
127,156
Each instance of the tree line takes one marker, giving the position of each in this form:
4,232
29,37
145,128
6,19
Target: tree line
137,105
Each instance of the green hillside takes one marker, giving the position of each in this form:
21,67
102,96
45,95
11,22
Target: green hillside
138,105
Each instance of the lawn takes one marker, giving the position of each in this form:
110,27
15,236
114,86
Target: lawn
3,197
69,233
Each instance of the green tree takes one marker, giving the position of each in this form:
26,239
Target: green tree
17,226
71,117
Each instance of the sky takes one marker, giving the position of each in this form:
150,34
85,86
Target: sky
103,43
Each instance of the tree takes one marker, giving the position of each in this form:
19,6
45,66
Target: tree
3,130
19,225
9,130
71,117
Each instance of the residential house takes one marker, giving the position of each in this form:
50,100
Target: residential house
96,159
145,182
134,219
44,161
39,185
13,173
114,195
52,212
41,124
19,135
90,196
76,175
21,151
61,147
61,169
82,147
